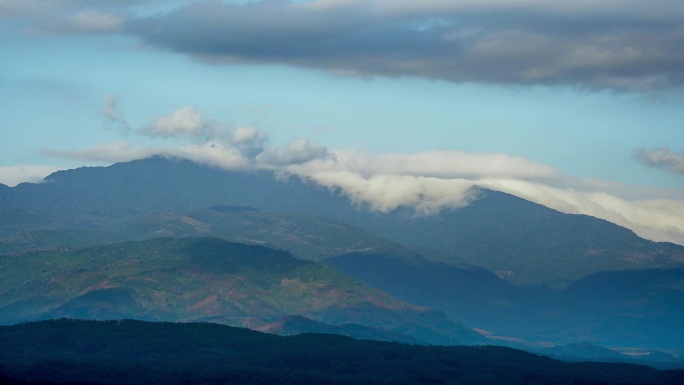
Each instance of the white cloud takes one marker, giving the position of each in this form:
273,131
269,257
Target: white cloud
445,164
248,136
214,153
183,122
13,175
122,151
298,152
424,182
656,219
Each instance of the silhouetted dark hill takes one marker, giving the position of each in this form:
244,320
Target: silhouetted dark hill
523,242
204,279
133,352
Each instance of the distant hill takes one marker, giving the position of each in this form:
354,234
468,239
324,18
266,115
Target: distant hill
637,308
204,279
526,243
305,236
141,353
522,242
586,350
293,325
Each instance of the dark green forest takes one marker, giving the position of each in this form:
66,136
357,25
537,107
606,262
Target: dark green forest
136,352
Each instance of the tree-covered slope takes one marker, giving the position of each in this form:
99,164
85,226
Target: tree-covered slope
133,352
203,279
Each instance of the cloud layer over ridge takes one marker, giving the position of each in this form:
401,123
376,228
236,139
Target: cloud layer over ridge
425,181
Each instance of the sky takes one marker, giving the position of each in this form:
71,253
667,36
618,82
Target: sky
576,105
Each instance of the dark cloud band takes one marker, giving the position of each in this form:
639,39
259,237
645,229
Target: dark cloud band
662,158
637,47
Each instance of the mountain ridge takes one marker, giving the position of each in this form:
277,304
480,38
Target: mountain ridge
203,279
141,353
524,243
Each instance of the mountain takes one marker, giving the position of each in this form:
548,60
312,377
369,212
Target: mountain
472,295
529,244
208,280
293,325
306,236
636,308
522,242
141,353
586,351
95,195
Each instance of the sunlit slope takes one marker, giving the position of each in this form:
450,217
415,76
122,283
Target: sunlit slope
204,279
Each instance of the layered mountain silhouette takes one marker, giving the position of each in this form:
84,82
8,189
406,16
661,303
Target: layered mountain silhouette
142,353
519,272
621,308
520,241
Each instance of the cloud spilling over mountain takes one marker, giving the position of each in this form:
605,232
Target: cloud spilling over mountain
13,175
427,181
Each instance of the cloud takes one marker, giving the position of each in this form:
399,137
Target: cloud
444,164
630,45
426,182
385,183
112,116
190,123
69,17
653,218
662,158
386,193
13,175
122,151
86,22
10,9
298,152
212,142
183,122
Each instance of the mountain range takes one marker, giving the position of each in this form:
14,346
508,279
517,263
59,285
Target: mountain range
117,242
205,280
522,242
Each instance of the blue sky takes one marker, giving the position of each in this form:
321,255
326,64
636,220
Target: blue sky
578,107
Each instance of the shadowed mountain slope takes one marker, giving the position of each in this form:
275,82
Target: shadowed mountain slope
637,308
